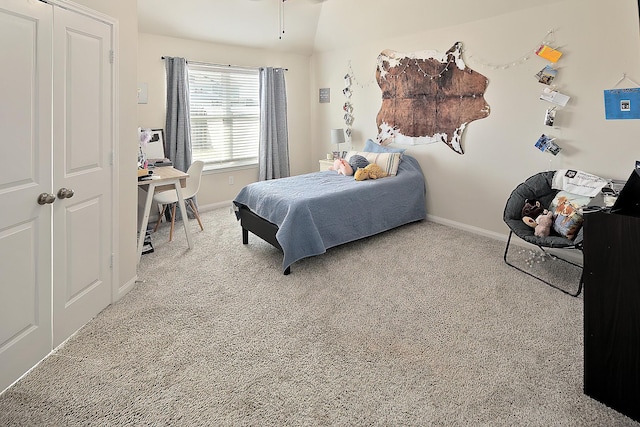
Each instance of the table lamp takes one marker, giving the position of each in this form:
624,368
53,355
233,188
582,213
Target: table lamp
337,138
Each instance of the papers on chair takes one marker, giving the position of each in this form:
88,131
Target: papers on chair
578,182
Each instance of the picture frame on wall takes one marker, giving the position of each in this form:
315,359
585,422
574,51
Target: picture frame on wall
154,149
157,135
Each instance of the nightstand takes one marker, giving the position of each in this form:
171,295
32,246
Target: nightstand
325,164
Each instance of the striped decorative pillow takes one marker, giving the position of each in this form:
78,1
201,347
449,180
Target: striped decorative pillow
387,161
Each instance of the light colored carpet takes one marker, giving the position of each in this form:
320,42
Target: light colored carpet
422,325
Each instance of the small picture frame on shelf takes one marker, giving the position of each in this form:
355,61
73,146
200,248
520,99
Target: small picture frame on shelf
154,149
157,135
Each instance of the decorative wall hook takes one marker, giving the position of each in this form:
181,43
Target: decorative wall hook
625,77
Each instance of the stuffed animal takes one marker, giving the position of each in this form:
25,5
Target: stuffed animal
371,171
543,224
342,167
357,161
531,209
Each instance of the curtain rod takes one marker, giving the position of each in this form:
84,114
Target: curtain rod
222,65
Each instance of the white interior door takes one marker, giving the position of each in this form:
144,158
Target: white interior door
25,225
82,146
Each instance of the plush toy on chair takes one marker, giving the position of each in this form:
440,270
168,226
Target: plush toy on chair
543,218
530,211
543,224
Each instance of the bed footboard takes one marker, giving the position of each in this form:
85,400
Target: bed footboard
259,226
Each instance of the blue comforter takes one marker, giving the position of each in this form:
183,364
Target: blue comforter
319,210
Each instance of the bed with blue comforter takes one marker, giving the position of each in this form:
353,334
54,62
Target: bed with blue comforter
305,215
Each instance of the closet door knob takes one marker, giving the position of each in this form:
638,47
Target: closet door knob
65,193
46,199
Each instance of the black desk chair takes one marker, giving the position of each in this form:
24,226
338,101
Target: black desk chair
537,187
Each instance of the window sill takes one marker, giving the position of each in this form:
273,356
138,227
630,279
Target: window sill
210,169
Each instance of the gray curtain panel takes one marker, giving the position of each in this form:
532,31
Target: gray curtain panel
274,133
177,128
177,144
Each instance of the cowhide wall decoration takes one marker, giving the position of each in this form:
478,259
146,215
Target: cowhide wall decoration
428,97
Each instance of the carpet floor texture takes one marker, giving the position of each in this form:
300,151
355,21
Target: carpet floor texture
423,325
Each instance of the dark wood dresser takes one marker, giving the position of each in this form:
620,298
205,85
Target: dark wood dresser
612,311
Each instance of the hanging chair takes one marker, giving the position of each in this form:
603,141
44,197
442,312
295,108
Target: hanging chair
537,187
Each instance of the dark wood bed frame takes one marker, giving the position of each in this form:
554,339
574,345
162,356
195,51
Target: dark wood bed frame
251,222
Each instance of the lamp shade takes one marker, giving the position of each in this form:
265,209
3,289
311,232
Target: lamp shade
337,136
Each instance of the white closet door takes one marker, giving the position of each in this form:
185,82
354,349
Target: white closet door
25,172
82,141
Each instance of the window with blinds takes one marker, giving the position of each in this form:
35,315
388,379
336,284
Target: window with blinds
224,111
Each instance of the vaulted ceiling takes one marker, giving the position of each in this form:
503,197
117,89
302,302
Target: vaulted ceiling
312,25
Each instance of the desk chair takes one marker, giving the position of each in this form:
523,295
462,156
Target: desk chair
170,197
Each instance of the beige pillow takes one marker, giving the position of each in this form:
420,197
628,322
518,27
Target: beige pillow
387,161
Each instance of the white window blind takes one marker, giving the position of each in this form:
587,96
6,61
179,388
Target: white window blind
224,110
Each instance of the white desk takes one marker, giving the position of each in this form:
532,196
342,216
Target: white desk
168,178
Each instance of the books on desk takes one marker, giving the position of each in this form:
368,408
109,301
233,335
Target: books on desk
147,247
160,162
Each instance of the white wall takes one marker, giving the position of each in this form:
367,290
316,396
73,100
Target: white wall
600,42
215,187
126,12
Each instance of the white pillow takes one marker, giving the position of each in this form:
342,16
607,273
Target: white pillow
387,161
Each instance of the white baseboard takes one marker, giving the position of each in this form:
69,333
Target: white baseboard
469,228
124,289
573,255
212,206
466,227
433,218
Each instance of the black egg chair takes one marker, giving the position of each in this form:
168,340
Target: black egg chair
538,187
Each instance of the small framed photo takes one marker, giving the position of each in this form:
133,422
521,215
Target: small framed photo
154,149
553,148
625,105
157,135
550,116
